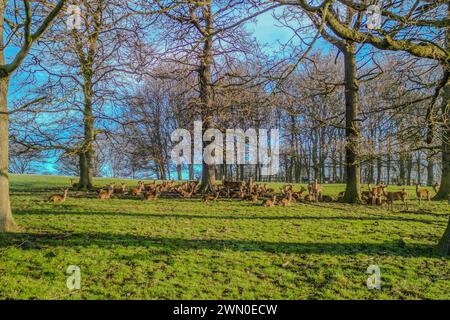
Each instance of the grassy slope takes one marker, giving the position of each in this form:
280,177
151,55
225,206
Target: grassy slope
183,249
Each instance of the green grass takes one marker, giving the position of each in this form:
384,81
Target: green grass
183,249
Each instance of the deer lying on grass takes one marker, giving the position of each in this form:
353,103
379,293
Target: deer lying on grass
270,202
210,197
106,194
122,189
299,194
58,197
286,189
286,201
137,191
422,194
251,197
151,195
399,195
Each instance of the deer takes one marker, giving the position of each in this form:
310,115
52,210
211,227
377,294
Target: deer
286,189
210,197
270,202
58,197
436,187
286,201
186,194
422,193
151,195
326,198
106,194
122,189
377,192
298,195
137,191
251,197
316,190
399,195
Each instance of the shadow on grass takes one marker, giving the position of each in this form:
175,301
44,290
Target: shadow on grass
119,214
36,241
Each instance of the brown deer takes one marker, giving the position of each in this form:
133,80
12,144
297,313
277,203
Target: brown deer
316,190
137,191
326,198
286,201
151,195
399,195
422,194
270,202
436,187
58,197
299,194
106,194
251,197
377,192
210,197
122,189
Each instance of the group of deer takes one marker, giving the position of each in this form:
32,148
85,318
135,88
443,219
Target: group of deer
379,196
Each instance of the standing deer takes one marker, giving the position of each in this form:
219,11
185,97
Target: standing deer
399,195
422,194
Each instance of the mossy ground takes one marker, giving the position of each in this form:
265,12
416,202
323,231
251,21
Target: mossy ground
184,249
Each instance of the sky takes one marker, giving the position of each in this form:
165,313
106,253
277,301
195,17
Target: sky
265,29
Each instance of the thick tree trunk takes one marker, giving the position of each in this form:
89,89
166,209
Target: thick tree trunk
444,191
353,186
6,219
87,156
206,97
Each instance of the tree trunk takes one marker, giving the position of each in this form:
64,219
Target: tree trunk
353,187
6,219
430,170
444,191
87,156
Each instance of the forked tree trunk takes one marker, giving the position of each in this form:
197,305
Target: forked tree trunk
6,219
353,187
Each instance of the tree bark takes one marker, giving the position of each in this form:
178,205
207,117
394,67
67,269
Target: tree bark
6,219
87,153
444,191
206,96
430,170
353,186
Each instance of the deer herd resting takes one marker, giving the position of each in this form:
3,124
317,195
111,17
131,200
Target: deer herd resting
377,195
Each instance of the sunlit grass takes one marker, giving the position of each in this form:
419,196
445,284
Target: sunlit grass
184,249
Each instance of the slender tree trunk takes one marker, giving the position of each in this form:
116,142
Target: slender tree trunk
6,219
430,170
353,187
379,157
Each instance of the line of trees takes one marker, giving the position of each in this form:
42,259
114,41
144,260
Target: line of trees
354,105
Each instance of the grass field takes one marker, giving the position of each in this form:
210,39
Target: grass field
183,249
